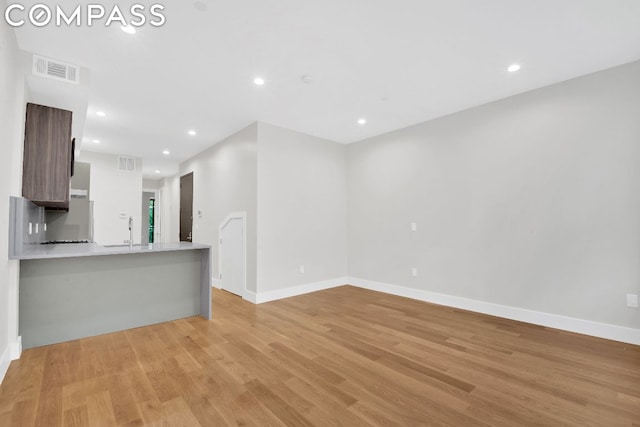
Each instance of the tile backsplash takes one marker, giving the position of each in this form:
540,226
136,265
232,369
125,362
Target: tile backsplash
26,224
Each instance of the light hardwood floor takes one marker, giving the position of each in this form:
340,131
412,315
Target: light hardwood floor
343,356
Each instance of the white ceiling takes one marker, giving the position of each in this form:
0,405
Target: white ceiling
396,63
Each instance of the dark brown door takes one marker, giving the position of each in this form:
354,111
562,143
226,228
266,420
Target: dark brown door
186,207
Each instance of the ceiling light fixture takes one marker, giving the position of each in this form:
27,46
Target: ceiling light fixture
513,68
96,141
157,171
200,7
129,29
192,132
362,121
100,113
166,152
259,81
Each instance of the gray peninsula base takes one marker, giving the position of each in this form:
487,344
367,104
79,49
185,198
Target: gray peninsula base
63,299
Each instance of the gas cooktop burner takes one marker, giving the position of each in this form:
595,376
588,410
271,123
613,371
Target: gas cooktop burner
57,242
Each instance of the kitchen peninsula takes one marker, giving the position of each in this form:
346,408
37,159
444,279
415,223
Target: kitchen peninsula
71,291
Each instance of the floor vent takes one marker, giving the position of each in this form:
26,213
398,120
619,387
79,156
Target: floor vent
54,69
126,164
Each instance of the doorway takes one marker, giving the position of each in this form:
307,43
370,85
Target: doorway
152,219
148,216
232,254
186,207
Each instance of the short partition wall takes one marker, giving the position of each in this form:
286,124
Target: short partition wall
69,298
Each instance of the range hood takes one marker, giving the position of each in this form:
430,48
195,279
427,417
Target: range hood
76,225
77,193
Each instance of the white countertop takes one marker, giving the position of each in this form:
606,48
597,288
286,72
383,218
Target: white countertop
70,250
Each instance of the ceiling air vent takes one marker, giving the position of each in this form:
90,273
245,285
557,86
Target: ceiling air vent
126,164
54,69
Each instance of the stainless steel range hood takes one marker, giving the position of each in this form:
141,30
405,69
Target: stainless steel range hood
77,223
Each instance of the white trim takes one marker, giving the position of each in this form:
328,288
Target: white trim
251,296
243,217
12,352
215,283
232,215
587,327
5,360
293,291
15,349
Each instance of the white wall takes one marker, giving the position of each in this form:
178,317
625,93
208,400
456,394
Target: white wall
224,181
13,98
529,202
114,192
151,184
169,220
293,188
302,208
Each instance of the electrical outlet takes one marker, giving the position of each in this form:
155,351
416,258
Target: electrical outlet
302,269
414,272
632,300
414,226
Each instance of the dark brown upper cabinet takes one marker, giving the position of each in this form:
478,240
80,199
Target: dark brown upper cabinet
48,157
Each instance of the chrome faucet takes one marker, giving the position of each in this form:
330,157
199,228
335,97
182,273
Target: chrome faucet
130,232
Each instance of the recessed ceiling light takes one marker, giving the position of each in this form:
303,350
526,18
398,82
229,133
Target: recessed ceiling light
96,141
166,152
362,121
100,113
258,81
157,171
200,7
129,29
513,68
192,132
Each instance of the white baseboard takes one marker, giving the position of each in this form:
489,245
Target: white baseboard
12,352
5,360
250,296
15,349
261,297
586,327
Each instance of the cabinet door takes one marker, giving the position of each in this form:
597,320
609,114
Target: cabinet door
47,156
